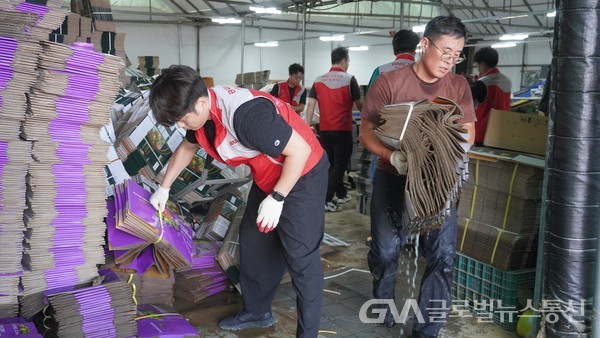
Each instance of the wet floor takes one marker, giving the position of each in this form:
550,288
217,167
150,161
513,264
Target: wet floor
347,287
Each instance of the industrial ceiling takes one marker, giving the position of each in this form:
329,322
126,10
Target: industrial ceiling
485,19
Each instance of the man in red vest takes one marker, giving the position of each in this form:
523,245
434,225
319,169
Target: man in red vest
490,91
336,92
283,223
291,91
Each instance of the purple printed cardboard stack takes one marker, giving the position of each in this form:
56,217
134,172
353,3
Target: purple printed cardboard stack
49,16
151,287
106,310
141,233
18,326
158,321
18,59
66,191
205,277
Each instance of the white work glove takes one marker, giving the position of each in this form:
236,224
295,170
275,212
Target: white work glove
159,198
398,160
268,214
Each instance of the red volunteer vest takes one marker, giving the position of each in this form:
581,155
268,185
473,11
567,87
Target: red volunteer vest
402,60
284,93
265,170
498,97
335,101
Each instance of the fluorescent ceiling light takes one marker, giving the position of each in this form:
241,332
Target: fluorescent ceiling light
514,17
514,37
504,45
225,20
551,14
359,48
263,10
332,38
267,44
418,29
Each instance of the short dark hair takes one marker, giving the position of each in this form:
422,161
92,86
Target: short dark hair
295,68
405,41
174,93
338,55
487,55
445,25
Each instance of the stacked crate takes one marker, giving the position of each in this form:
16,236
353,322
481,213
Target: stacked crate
498,219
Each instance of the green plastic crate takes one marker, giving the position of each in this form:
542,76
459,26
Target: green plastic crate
477,284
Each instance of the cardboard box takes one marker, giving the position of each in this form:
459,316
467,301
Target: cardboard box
517,131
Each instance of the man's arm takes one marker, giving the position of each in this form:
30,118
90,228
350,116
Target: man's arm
181,158
275,90
299,108
369,140
479,92
470,128
296,154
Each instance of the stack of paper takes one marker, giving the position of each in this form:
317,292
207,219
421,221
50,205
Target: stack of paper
166,239
18,326
205,277
66,191
499,213
18,59
435,148
155,321
49,16
106,310
151,287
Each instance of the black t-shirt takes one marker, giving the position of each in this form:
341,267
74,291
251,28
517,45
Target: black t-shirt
258,127
479,91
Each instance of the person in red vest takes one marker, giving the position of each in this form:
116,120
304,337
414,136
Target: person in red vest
336,92
291,91
284,220
490,91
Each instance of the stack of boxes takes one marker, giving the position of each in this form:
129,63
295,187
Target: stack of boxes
253,80
148,65
498,219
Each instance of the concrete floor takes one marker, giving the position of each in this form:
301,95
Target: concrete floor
347,287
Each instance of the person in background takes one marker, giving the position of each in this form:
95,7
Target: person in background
428,78
291,91
490,91
284,220
335,92
404,44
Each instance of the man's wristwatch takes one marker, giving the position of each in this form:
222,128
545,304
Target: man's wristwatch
277,196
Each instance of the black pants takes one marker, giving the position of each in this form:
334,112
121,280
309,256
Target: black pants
294,244
437,247
338,146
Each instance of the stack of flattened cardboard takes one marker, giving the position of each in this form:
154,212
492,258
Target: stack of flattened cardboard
499,213
435,148
253,80
106,310
205,277
66,192
18,62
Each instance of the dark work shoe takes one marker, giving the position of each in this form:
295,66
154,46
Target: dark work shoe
245,320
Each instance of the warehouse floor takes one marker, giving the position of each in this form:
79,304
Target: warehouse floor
347,287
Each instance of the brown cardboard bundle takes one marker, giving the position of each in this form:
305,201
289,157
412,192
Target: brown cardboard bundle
499,209
503,249
435,148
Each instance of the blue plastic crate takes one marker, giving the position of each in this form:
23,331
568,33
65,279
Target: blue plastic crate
488,290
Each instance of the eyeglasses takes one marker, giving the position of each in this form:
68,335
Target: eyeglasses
447,57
